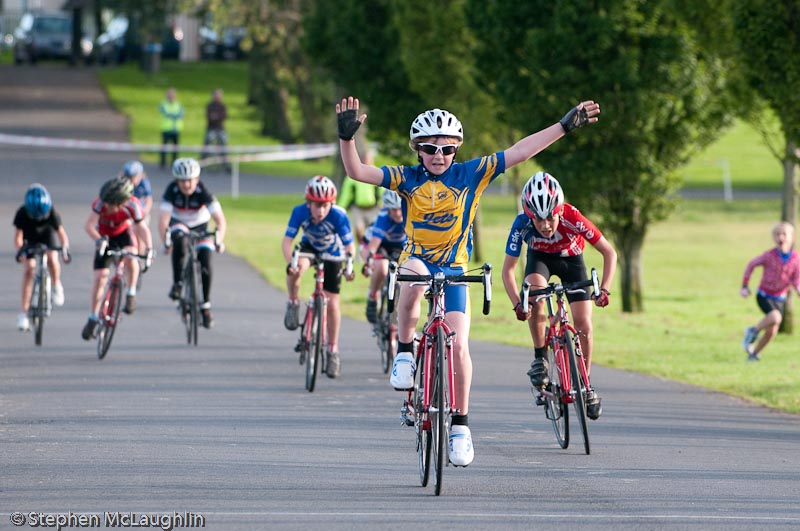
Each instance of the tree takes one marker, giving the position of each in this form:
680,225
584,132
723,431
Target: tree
767,44
662,99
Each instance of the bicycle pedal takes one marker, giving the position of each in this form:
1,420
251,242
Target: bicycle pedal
540,401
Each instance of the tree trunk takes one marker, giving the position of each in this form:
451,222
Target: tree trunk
631,270
789,213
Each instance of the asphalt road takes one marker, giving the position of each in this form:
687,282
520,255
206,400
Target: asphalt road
226,430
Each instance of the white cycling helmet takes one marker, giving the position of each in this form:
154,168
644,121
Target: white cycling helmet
542,196
391,199
185,169
436,122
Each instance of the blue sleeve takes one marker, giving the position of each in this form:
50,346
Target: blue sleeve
344,230
381,226
299,215
516,236
146,187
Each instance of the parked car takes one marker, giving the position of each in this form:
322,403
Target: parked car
112,46
120,43
228,46
46,35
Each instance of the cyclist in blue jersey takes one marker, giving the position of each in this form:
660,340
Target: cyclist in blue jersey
441,198
142,191
387,235
326,231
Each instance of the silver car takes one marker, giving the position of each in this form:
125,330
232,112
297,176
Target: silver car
44,35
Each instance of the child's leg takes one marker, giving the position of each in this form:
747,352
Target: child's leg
334,316
29,266
54,265
100,279
769,324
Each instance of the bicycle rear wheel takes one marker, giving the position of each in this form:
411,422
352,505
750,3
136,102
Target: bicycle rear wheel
109,317
38,313
315,346
579,397
439,409
383,326
423,429
554,408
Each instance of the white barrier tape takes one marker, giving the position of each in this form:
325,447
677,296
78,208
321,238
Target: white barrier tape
298,154
275,152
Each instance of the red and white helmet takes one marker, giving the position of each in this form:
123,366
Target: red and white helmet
320,189
542,196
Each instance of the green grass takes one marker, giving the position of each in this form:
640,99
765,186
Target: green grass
694,319
138,95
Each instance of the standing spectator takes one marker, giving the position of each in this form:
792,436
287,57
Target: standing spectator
171,124
361,200
216,113
781,266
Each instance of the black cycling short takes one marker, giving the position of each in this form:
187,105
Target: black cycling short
120,241
392,252
768,304
48,238
568,268
333,278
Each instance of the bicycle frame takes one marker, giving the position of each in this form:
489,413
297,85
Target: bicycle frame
41,298
108,315
572,383
189,304
432,414
318,301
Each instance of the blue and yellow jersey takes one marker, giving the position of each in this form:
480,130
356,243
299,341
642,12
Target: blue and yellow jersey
438,211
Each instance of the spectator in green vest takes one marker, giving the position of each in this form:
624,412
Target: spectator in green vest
361,200
171,124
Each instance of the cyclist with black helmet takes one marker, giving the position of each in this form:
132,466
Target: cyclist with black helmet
36,221
441,198
326,230
555,233
116,221
188,205
387,235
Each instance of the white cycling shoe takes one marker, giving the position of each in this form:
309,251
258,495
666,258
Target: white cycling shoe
58,295
23,324
461,451
402,377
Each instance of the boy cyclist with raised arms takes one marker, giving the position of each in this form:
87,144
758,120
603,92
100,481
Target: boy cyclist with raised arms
185,206
36,222
116,219
387,235
555,233
441,198
326,230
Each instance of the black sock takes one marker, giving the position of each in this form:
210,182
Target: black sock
405,347
459,420
539,352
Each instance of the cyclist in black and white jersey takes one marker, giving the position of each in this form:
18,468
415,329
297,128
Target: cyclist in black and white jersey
188,205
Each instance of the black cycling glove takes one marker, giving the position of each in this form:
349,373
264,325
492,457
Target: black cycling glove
348,124
574,119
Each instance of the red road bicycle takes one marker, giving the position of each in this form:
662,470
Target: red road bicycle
432,400
108,316
314,330
569,379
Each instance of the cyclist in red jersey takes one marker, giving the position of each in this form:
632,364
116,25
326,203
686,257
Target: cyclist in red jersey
118,220
555,233
781,271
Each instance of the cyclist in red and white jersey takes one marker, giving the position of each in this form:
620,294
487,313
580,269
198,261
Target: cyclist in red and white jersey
118,220
555,233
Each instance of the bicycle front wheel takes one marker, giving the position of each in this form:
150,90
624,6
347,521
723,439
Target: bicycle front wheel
190,304
40,310
109,317
578,388
315,347
554,407
440,411
384,326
